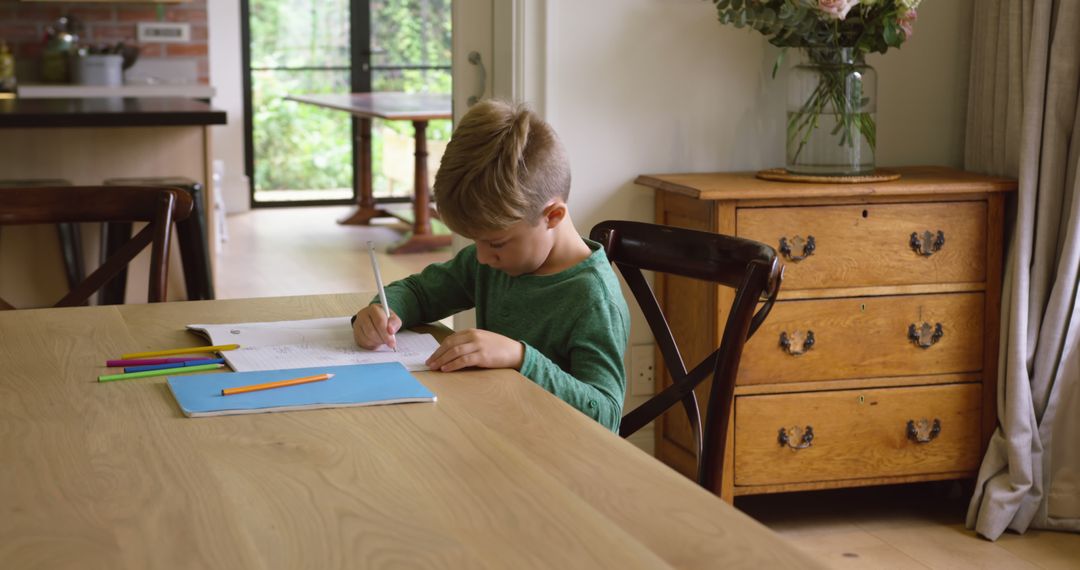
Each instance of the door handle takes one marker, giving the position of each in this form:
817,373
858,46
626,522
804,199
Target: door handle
475,59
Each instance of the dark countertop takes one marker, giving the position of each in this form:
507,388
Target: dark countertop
107,112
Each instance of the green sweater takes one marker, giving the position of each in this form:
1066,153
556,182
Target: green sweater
574,324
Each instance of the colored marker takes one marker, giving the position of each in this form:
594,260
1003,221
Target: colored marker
198,362
119,363
162,372
278,384
192,350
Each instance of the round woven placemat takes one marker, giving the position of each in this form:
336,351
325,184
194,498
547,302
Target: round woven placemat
782,175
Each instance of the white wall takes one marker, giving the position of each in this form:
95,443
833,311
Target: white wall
922,89
226,75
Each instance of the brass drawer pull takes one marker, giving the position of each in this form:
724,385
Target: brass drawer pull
805,441
923,431
929,244
925,335
797,344
807,246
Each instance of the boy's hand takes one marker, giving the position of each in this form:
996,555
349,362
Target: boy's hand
372,329
475,347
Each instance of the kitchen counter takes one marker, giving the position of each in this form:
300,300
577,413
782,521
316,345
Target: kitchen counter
107,112
51,91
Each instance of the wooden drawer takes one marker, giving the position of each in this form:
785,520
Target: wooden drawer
870,244
865,337
856,434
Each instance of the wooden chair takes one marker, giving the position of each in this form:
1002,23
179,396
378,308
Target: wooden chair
159,207
749,267
190,236
69,235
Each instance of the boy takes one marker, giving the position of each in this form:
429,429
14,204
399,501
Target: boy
547,301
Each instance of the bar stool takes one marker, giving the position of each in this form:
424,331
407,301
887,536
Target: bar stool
70,237
190,235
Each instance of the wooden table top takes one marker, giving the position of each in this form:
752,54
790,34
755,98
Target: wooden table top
496,474
387,105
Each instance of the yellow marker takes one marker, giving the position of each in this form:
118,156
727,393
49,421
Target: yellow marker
192,350
278,384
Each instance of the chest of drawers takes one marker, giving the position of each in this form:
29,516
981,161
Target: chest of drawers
878,363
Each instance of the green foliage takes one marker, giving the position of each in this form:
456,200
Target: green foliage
869,26
299,146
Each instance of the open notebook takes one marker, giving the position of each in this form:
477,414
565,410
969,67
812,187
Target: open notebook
310,342
354,385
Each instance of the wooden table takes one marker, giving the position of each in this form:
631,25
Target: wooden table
416,107
496,474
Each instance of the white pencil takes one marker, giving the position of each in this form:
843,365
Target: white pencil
378,282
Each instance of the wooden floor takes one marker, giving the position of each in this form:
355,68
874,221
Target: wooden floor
903,526
302,251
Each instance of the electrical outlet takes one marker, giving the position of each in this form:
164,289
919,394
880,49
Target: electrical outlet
642,370
164,32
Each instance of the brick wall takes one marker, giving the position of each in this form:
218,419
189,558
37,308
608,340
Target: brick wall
22,26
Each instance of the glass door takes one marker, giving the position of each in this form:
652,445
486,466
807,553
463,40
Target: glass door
299,154
410,52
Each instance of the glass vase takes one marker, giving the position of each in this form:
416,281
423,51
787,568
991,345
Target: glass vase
831,112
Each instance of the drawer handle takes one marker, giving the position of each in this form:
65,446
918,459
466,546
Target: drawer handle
925,336
929,244
807,246
805,441
923,431
797,344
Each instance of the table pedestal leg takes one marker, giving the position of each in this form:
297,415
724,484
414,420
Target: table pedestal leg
365,202
421,238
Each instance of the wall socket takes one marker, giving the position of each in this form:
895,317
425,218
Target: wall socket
642,370
164,32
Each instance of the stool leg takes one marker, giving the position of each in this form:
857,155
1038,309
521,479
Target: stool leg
71,249
113,236
194,255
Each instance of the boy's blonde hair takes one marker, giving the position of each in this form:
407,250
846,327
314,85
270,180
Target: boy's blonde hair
502,165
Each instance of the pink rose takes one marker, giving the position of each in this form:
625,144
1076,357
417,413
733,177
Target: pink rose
907,23
836,9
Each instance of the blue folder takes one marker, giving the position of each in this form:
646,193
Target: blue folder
352,385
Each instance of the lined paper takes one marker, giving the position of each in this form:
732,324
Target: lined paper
310,343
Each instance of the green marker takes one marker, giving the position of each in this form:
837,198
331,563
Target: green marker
163,372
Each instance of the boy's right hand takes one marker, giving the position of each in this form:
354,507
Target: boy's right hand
372,329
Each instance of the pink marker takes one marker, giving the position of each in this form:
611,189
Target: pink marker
142,361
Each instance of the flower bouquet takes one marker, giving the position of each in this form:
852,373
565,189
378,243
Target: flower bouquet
831,95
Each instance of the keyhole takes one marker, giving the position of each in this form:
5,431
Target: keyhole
865,213
862,307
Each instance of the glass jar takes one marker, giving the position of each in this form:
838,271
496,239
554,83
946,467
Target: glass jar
831,113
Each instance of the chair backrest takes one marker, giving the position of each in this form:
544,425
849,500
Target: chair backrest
749,267
159,207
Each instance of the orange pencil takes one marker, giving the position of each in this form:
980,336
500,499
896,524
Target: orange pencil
278,384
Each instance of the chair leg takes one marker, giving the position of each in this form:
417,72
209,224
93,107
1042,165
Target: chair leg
194,255
194,258
113,236
71,249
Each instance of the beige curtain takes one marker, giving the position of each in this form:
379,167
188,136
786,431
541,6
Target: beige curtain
1024,121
